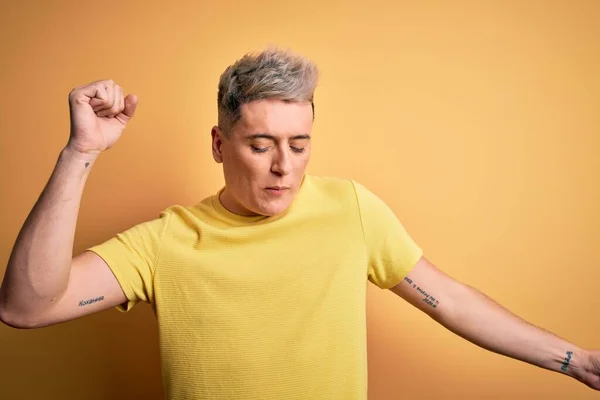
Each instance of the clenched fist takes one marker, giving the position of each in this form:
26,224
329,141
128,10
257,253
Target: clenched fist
99,114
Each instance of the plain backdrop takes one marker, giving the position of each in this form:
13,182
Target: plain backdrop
476,121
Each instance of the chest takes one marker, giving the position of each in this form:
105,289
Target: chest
254,273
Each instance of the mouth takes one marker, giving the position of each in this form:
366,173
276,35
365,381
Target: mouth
277,190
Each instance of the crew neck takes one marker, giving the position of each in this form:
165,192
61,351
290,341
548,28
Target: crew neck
240,220
229,216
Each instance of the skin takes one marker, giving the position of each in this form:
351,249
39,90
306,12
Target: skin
252,164
43,285
472,315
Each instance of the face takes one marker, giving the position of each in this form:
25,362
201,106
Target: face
265,156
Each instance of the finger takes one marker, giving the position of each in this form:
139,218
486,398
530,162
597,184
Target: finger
102,99
122,102
97,103
95,90
93,93
109,109
131,102
116,107
112,94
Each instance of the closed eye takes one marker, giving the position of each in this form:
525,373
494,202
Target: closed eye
258,149
264,149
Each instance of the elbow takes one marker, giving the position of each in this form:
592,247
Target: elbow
18,314
17,322
15,319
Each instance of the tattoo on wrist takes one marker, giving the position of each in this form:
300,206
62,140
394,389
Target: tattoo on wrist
566,362
427,298
90,301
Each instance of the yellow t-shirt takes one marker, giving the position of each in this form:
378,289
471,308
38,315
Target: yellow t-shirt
264,307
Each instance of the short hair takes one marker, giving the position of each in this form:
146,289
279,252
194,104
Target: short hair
270,74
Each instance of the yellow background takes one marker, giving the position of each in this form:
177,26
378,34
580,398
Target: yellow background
477,121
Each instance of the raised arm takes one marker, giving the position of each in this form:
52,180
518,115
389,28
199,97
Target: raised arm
43,284
474,316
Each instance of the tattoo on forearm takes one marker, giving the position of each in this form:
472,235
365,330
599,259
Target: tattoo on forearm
90,301
567,360
427,298
87,164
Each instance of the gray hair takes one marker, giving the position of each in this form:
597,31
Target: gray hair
270,74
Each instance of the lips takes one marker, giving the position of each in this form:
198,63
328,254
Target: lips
277,190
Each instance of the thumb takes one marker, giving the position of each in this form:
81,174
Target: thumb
131,102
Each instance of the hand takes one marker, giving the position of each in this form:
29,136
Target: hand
99,114
589,372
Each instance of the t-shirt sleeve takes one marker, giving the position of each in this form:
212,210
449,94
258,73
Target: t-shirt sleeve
132,256
391,251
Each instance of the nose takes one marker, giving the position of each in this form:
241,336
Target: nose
282,163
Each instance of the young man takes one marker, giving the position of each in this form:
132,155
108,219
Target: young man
259,290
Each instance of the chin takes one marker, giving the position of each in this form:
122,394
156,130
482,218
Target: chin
273,208
272,211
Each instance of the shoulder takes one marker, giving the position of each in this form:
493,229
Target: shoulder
342,190
176,217
328,185
331,183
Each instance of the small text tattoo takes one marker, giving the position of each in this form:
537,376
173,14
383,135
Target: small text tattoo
87,164
565,363
86,302
427,298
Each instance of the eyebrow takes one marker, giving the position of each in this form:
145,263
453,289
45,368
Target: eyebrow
273,138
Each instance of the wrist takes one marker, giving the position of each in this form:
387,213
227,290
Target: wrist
71,154
575,363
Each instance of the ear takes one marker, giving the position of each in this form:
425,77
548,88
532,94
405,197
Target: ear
217,142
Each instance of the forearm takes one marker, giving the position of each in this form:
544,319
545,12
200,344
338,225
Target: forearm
39,265
482,321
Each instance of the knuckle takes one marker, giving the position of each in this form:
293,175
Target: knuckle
75,97
74,91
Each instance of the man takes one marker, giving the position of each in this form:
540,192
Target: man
259,290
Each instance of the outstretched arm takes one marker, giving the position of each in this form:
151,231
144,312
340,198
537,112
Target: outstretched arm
474,316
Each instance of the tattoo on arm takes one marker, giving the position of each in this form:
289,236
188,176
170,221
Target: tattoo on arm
90,301
427,298
87,164
566,362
